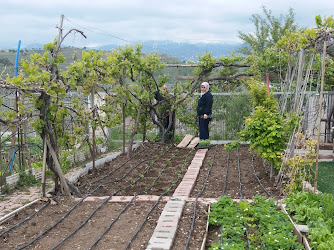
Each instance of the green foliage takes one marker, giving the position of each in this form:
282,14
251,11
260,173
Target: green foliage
27,180
325,177
231,146
299,167
259,96
204,143
294,41
186,113
268,227
37,164
311,39
317,211
324,23
225,213
267,130
205,65
268,30
231,110
5,189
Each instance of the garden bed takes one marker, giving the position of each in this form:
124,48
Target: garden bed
158,165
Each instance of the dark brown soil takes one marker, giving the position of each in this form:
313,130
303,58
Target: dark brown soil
157,169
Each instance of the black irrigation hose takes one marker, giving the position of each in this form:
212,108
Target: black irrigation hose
24,220
239,175
200,193
227,167
258,180
127,205
224,189
156,203
110,225
80,201
29,217
134,167
239,171
62,218
118,167
105,201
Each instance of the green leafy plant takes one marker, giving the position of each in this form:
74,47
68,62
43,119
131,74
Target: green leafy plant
204,143
266,129
299,167
27,180
316,211
231,146
268,227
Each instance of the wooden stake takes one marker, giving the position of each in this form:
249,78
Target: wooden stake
44,167
320,114
123,111
58,169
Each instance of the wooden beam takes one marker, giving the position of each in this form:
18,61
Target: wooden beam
58,168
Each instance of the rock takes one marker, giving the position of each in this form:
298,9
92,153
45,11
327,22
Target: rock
53,202
302,228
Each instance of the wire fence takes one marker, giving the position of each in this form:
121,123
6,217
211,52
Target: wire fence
229,112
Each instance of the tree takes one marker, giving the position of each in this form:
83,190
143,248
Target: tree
268,31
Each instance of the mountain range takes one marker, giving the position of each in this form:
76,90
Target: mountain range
182,51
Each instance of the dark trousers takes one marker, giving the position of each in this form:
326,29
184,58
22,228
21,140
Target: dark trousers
204,128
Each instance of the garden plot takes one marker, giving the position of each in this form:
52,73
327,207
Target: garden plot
117,215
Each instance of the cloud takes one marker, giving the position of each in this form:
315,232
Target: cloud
105,21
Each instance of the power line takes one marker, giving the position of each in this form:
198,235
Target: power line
92,29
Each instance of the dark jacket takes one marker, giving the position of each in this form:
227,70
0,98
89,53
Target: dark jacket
204,104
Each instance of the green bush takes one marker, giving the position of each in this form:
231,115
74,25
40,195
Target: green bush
266,129
27,180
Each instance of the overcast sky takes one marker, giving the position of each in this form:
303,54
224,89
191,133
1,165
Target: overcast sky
131,21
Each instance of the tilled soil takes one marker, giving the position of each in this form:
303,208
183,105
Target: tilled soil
155,169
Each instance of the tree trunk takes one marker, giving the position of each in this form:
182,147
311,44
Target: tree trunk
134,132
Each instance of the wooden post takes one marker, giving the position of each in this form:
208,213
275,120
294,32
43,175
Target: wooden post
267,80
123,111
21,146
93,129
58,169
60,34
320,114
94,142
44,166
299,79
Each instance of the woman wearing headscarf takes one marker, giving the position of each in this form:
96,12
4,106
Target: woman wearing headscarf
204,111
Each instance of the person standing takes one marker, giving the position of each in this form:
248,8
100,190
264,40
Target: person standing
165,110
204,111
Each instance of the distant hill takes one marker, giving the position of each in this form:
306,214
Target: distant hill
8,56
34,46
169,52
183,51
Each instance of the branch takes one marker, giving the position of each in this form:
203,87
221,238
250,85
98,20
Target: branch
61,41
17,121
230,77
231,65
6,85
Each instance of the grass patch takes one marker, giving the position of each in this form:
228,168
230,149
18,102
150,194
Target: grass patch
25,202
325,177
